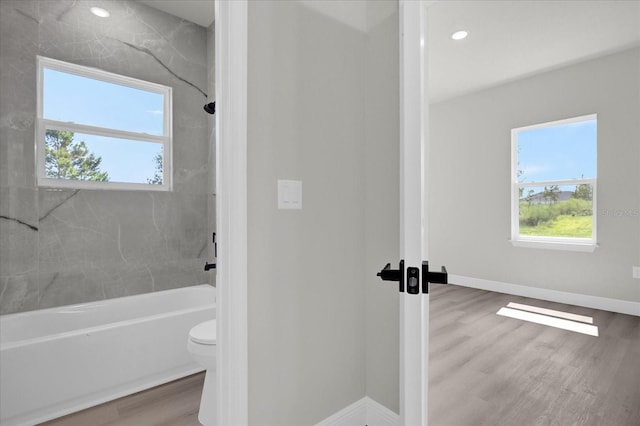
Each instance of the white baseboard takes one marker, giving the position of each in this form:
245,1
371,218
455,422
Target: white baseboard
364,412
353,415
379,415
595,302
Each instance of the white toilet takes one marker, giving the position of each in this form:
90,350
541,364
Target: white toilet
202,346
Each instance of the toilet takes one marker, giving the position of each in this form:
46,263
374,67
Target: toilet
202,346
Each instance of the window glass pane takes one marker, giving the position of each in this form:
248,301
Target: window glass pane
556,211
79,156
561,152
71,98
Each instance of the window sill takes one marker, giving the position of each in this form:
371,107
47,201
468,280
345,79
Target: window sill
556,245
85,184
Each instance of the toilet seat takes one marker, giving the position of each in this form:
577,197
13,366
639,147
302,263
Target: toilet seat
204,333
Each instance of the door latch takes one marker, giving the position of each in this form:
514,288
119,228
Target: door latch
413,277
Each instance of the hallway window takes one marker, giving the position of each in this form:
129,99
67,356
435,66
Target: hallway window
554,171
99,130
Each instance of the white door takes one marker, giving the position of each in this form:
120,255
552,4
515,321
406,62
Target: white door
414,308
413,272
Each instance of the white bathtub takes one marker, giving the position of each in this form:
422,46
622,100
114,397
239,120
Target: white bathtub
60,360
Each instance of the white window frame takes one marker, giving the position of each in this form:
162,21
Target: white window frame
554,243
166,139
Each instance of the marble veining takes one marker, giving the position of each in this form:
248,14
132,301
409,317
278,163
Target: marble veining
26,15
66,10
202,250
50,282
148,52
65,246
52,209
32,227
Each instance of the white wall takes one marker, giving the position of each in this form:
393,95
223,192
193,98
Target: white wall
382,219
323,109
470,179
306,293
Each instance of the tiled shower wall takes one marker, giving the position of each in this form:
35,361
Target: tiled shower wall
59,247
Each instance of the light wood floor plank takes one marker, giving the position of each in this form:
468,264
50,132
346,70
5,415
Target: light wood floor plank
534,374
171,404
485,370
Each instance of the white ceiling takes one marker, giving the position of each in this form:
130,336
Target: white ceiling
508,40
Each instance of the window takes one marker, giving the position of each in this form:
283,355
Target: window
553,175
98,130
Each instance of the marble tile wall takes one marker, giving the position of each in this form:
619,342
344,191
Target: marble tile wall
59,247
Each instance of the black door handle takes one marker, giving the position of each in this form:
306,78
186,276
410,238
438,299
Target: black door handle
434,277
388,274
413,276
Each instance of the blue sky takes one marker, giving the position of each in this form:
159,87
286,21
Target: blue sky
544,154
81,100
558,153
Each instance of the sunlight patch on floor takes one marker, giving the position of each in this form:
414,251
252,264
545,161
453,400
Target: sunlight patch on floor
551,312
551,321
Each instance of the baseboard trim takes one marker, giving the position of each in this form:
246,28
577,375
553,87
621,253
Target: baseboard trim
595,302
364,412
379,415
352,415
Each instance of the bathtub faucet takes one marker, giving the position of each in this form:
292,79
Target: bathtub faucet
208,265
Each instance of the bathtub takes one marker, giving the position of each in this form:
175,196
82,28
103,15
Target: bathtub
60,360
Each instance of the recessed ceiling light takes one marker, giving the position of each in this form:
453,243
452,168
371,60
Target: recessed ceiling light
459,35
98,11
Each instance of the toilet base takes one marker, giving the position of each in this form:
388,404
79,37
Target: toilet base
208,403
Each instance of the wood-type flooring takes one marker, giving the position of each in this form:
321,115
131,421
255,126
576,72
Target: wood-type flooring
485,369
491,370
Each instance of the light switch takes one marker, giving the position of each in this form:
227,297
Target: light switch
290,194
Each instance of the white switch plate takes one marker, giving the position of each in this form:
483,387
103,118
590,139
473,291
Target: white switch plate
636,272
289,194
